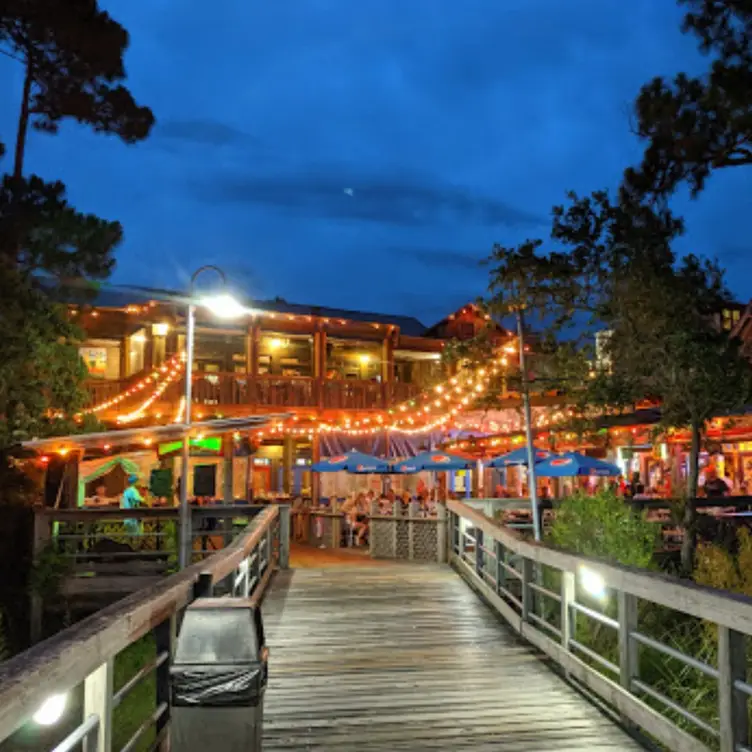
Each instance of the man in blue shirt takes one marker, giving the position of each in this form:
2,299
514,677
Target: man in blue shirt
131,499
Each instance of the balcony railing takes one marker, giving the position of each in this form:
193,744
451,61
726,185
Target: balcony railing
235,389
298,391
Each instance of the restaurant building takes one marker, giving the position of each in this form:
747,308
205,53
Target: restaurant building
316,364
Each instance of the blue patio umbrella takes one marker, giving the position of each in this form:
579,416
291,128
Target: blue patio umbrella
433,461
517,457
570,464
352,462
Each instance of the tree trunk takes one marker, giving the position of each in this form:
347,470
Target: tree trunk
23,122
690,504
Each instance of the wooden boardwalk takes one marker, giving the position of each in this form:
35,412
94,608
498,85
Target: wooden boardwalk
406,657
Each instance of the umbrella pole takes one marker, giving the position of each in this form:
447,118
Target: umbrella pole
532,481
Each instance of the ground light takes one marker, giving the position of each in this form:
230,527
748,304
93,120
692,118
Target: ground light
51,710
592,583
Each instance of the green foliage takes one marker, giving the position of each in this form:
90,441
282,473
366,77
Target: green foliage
605,527
140,703
72,54
696,124
48,572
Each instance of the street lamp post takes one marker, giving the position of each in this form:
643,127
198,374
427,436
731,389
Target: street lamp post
532,481
224,306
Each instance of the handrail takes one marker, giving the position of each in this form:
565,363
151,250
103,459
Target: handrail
726,609
86,651
485,559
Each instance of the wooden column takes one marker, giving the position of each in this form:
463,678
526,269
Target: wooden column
288,457
315,479
228,453
252,358
319,361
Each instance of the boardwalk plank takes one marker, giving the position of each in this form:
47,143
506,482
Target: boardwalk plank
405,657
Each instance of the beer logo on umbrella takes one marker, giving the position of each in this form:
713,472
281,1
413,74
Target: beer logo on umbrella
335,460
561,462
440,458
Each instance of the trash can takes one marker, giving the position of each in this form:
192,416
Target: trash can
218,677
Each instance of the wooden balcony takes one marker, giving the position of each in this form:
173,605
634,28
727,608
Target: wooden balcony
237,389
232,389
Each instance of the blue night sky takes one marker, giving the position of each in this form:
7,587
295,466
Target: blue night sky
368,153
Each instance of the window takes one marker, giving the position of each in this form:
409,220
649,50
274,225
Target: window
285,355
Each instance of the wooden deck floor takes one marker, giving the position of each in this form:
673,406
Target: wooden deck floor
406,657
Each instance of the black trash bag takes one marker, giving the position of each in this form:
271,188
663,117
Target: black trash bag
216,686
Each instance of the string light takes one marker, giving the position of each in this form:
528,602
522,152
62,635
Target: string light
154,376
171,376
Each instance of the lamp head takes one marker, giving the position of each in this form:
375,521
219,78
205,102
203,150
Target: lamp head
223,306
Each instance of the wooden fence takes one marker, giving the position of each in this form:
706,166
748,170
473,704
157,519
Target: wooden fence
86,652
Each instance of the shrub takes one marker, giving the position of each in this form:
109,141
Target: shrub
606,527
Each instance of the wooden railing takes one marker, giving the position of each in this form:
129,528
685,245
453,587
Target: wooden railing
232,389
100,390
598,622
86,653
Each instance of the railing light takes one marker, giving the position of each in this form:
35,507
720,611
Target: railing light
51,710
592,583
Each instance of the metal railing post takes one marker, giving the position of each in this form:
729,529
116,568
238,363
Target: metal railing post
165,635
479,552
441,533
732,704
98,689
284,536
567,597
499,580
528,572
629,663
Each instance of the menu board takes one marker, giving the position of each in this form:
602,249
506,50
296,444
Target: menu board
95,359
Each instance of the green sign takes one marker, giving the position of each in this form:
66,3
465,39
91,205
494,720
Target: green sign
209,444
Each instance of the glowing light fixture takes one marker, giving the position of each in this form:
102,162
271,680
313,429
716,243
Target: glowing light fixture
592,583
160,329
51,710
364,358
224,306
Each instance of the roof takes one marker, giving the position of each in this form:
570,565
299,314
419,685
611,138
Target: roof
115,297
160,433
432,330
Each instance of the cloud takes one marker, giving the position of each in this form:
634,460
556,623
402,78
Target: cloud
392,200
442,257
203,132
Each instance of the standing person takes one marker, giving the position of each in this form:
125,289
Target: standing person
131,499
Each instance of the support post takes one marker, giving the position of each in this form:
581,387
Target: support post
567,597
500,571
528,573
288,455
165,635
284,536
42,536
185,536
228,455
732,704
629,664
441,533
479,553
532,481
98,687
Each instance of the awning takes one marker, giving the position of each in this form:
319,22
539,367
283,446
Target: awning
155,433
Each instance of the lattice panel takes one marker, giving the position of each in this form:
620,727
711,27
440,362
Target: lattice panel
403,539
382,539
425,541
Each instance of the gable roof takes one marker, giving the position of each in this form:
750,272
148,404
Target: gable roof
114,297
